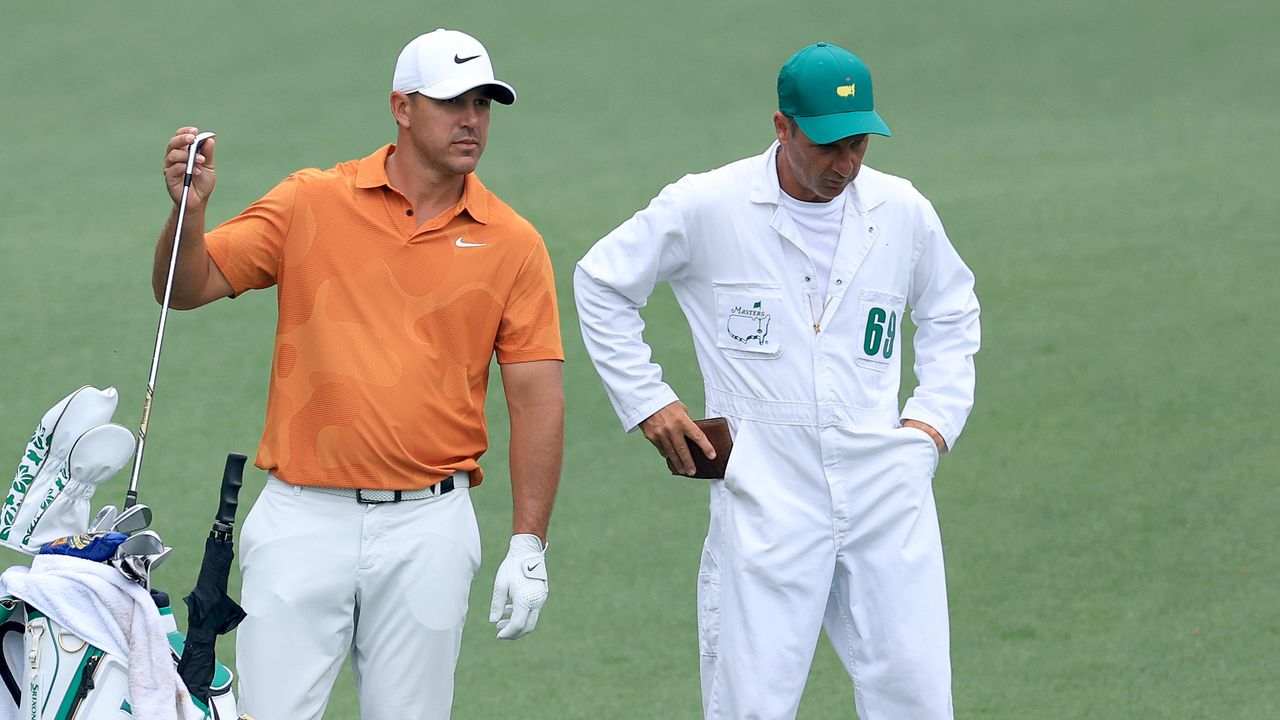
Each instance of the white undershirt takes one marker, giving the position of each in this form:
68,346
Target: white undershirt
819,224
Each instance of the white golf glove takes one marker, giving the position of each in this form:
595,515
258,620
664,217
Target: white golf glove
521,579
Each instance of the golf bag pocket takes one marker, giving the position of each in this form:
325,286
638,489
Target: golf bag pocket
64,676
49,672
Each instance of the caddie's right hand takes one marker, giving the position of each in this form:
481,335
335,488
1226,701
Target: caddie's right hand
175,167
667,430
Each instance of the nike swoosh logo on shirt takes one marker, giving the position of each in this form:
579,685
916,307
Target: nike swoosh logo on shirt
461,243
461,60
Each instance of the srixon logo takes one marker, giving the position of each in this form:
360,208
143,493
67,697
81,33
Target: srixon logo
747,325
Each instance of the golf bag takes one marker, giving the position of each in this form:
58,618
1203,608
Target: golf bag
101,586
49,672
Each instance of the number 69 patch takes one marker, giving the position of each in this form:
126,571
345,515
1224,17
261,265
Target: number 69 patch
880,319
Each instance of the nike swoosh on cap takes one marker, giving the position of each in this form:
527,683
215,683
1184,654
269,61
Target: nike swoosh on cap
461,60
461,243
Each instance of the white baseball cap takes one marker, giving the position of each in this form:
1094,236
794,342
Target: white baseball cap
444,64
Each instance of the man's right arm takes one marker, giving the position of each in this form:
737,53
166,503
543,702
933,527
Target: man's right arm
611,283
196,278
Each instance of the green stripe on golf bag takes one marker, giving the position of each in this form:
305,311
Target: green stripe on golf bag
59,676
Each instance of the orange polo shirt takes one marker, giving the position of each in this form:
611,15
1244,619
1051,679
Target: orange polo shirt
386,327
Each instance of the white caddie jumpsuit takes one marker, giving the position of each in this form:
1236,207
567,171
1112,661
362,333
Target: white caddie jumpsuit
825,518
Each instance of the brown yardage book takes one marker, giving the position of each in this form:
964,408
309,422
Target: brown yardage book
717,431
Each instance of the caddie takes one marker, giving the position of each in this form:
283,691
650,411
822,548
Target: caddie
399,277
795,270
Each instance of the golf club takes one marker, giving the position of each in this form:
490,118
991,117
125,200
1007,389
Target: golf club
105,517
133,556
131,497
155,561
137,569
146,542
126,568
132,520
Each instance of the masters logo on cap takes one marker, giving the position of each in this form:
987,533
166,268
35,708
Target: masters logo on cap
444,64
827,89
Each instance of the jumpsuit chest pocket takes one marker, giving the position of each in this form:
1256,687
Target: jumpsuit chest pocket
879,320
749,319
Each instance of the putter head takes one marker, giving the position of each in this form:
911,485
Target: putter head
132,520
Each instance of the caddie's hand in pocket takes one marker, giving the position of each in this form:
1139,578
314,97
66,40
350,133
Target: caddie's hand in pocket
667,430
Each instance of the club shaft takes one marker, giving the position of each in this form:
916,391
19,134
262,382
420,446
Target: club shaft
131,497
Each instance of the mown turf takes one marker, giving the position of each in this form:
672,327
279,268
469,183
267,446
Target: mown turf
1107,169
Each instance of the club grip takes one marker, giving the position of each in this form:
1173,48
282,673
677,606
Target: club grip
232,479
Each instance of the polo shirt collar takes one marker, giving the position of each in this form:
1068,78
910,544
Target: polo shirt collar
372,173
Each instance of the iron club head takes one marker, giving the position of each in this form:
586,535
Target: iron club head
132,520
155,561
104,518
143,543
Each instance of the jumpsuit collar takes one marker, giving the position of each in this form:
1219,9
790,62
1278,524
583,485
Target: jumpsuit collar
864,192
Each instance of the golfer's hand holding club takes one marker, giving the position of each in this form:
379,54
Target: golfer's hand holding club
177,164
520,588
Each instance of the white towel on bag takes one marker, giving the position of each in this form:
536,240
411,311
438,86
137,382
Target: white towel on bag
97,603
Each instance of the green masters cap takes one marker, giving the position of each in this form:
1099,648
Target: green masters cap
827,89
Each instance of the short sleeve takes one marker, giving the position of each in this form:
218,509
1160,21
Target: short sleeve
530,325
248,248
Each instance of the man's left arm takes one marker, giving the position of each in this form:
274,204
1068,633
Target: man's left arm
535,404
945,312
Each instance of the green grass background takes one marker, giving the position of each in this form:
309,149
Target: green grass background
1108,169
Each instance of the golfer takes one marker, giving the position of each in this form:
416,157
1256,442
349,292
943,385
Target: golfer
398,277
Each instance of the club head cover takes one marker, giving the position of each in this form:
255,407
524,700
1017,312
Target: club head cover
95,546
46,453
96,456
33,458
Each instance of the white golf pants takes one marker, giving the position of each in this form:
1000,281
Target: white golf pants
824,528
324,576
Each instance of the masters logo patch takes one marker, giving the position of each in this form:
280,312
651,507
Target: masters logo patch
748,325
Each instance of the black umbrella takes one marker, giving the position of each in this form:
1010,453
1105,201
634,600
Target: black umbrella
211,611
